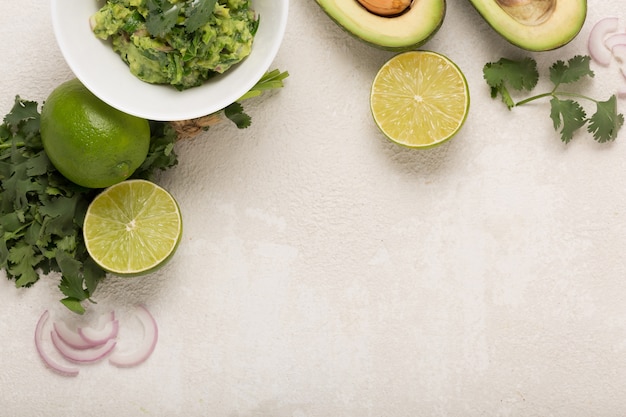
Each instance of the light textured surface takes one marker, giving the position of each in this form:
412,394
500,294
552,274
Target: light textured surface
327,272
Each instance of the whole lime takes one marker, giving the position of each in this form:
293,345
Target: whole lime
89,142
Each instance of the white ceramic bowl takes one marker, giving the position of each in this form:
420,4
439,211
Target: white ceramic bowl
102,71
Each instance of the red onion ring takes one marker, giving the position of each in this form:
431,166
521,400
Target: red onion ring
88,337
619,52
71,337
51,363
146,347
596,44
617,39
82,355
97,337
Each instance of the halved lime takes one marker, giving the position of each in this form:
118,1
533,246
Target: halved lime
419,99
132,228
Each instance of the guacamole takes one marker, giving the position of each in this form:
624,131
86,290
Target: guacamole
177,42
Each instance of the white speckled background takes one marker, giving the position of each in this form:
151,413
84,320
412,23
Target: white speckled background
325,272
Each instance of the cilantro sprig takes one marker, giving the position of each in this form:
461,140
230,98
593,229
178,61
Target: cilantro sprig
566,113
235,112
41,212
271,80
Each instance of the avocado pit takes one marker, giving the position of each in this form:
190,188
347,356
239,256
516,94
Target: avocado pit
528,12
386,8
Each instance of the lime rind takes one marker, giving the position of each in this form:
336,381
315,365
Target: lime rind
417,108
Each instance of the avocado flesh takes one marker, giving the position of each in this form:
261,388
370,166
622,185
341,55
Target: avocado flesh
534,25
406,31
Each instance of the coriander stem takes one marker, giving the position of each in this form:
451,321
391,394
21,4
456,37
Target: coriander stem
553,94
566,94
10,144
533,98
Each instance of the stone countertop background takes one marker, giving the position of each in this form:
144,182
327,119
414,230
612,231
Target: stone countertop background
325,271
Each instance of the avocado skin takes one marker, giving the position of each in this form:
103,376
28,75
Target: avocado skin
550,46
403,48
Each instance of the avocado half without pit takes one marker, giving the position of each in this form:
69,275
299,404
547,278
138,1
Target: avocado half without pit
395,25
534,25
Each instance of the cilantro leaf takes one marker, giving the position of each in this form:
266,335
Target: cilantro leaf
133,22
161,155
161,18
71,281
93,274
255,25
27,274
22,260
60,213
519,75
568,113
4,253
38,164
576,68
21,114
235,113
73,304
606,122
198,14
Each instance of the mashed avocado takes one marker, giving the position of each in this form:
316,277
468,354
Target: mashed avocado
177,42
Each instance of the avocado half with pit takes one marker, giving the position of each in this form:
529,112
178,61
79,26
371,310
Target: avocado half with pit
534,25
395,25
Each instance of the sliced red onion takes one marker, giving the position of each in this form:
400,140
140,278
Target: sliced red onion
48,360
82,355
71,337
88,337
597,49
99,336
616,39
619,52
145,348
103,320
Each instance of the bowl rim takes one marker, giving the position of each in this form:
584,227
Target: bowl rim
91,59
